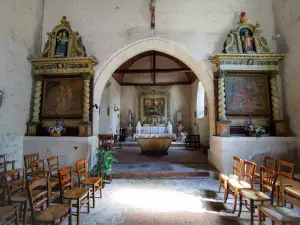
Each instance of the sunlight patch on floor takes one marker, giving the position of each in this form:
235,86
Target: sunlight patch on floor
158,200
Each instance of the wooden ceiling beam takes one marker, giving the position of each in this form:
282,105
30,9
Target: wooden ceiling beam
156,84
135,71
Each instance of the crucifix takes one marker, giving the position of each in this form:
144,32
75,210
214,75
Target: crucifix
152,10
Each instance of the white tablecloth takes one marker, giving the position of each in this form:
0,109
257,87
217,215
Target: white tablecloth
150,130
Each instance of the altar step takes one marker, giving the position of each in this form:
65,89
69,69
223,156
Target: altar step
135,144
163,170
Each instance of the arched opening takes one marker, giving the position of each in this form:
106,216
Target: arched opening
104,73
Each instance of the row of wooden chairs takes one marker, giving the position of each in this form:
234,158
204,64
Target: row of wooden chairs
241,183
33,186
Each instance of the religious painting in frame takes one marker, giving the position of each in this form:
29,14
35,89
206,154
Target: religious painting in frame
154,107
63,98
247,95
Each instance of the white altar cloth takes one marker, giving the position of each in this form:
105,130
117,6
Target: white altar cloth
150,130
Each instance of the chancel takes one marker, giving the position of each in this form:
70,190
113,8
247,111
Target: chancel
133,105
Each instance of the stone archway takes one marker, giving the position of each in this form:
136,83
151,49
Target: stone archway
153,44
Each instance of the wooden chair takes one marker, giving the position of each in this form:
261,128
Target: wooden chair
83,179
236,173
3,168
106,140
280,214
38,169
28,159
268,179
48,214
285,169
192,141
9,215
237,185
269,162
15,183
53,165
81,195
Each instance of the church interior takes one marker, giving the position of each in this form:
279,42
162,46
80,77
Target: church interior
149,112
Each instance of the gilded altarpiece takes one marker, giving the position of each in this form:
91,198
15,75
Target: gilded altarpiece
63,76
247,82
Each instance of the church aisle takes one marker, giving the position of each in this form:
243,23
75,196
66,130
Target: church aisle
163,201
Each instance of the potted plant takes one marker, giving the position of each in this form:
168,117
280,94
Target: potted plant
104,162
57,130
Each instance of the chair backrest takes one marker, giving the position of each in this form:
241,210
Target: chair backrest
291,198
237,166
15,181
65,179
53,165
286,169
2,163
81,169
38,201
28,159
270,162
38,169
249,171
268,178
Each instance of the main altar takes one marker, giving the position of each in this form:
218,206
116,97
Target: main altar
248,97
63,76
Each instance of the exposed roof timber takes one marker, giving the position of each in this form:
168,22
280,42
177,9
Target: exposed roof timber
156,84
135,71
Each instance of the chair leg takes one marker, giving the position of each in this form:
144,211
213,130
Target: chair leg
89,204
251,212
78,211
70,216
277,195
25,212
235,200
259,216
17,216
220,185
93,195
241,205
225,191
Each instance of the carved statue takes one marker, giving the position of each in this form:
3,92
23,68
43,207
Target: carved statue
179,116
247,42
130,117
62,43
169,128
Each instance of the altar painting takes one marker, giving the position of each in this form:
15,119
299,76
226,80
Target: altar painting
247,95
63,98
154,107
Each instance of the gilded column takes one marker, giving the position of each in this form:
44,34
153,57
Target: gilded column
37,101
275,97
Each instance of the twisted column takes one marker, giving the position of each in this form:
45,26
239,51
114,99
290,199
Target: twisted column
86,100
275,98
221,99
37,101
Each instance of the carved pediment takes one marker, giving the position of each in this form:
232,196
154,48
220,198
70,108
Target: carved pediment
63,42
246,39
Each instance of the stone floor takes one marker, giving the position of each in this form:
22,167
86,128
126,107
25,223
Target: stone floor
163,201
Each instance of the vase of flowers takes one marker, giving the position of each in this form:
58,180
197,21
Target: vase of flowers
57,130
253,131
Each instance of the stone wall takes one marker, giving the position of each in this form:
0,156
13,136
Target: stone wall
20,29
287,19
109,124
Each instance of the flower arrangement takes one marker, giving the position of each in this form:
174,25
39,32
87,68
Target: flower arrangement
57,130
251,130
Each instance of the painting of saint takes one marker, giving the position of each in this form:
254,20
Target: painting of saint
62,40
154,107
246,95
62,98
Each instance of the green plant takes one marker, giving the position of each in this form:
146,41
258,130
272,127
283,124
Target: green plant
104,162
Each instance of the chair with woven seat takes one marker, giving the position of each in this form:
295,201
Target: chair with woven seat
53,165
285,169
15,184
9,215
237,185
269,162
95,183
280,214
236,173
28,159
268,179
51,213
68,192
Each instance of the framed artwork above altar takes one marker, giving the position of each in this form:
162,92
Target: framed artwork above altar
247,94
154,107
62,98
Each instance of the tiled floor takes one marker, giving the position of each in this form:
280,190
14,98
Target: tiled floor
162,201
